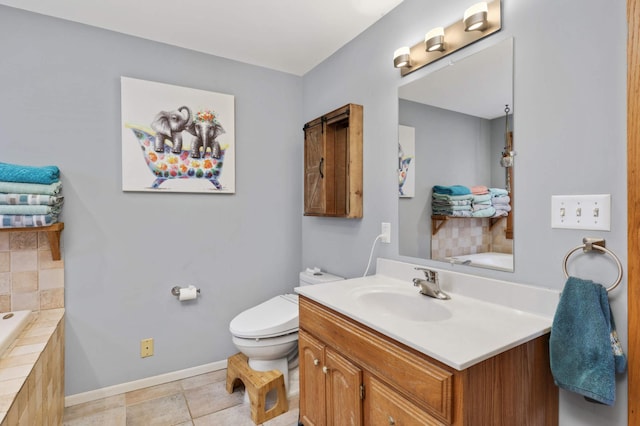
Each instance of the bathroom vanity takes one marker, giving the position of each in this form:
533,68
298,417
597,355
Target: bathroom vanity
369,355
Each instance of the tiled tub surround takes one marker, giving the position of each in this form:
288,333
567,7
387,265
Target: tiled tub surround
32,373
11,325
29,278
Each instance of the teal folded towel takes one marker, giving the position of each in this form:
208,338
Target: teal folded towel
451,190
445,197
29,174
497,192
488,212
585,353
30,209
25,221
30,188
482,197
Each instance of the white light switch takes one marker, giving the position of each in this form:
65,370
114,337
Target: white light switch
581,212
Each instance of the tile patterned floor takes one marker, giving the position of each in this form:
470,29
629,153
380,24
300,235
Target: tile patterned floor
196,401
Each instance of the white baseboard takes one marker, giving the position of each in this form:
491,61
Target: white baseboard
93,395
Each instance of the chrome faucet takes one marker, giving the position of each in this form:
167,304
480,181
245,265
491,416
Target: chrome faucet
430,286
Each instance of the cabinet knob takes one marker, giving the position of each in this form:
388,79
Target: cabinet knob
316,361
392,421
325,370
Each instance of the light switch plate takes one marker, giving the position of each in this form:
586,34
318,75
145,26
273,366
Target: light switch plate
581,212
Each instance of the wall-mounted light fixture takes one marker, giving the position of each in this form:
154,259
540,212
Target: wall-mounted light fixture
479,21
402,57
475,18
434,40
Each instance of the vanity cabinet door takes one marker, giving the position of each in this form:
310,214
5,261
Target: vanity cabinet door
329,386
385,406
333,164
312,380
344,380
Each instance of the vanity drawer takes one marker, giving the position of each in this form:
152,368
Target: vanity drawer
382,405
425,383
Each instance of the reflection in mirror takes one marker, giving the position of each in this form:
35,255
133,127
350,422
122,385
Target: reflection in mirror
455,128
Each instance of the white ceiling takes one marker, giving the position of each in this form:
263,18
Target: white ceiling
291,36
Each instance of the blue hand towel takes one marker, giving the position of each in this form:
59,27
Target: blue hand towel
451,190
584,350
29,174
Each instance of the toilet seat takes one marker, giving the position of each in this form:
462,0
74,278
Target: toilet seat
275,317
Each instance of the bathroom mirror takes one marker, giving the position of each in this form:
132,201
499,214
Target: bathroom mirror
455,129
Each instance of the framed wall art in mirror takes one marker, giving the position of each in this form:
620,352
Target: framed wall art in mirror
463,120
406,161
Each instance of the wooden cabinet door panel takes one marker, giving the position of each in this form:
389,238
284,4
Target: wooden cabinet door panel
312,380
344,407
333,164
314,169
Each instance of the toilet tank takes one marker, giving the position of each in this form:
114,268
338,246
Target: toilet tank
316,276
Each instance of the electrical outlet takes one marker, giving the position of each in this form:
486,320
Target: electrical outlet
386,232
146,347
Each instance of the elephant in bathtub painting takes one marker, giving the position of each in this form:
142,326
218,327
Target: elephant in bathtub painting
168,164
190,151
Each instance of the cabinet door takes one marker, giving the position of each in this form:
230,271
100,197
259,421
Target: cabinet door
384,406
314,168
312,380
344,404
333,164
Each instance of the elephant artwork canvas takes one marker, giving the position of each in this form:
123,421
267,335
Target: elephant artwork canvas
176,139
406,161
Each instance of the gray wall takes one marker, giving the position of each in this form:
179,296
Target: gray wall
570,119
60,104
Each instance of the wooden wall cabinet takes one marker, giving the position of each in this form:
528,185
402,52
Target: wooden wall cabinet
333,164
379,381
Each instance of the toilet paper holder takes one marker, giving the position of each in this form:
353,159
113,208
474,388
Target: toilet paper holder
176,291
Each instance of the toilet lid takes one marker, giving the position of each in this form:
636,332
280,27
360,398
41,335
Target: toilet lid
275,317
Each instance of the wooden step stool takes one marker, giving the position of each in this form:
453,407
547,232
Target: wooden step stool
257,384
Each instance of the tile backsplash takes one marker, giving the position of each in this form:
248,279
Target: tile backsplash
29,278
468,236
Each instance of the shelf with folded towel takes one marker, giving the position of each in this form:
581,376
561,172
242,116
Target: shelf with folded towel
438,221
53,234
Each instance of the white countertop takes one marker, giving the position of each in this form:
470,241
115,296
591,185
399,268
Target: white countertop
471,329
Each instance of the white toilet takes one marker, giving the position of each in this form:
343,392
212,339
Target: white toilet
268,333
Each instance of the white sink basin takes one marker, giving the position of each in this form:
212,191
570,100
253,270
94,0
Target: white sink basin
407,304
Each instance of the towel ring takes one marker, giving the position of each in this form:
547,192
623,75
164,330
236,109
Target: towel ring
587,246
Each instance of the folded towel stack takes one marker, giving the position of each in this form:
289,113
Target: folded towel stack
29,196
500,200
474,201
452,201
482,203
